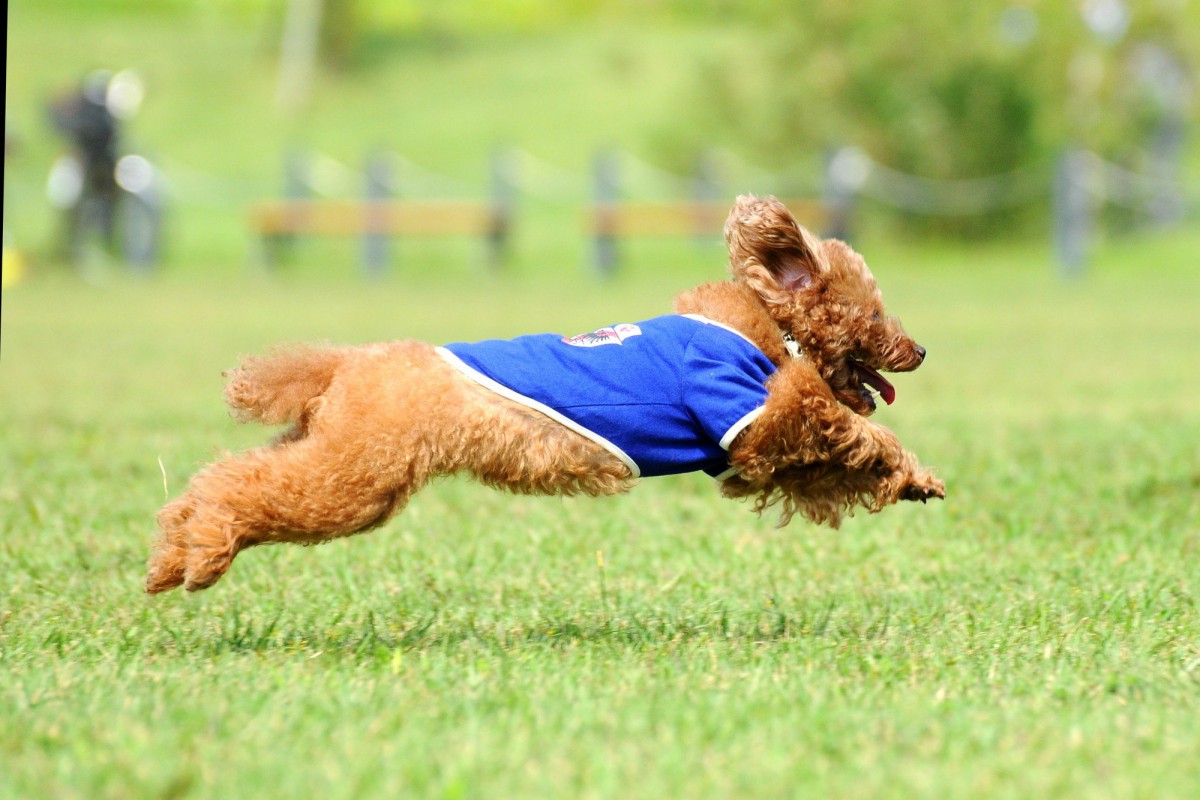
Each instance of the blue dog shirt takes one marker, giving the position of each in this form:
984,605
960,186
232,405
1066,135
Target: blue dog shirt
666,395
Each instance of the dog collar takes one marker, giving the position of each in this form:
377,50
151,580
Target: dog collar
793,347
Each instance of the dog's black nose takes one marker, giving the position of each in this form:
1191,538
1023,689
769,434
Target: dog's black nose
920,352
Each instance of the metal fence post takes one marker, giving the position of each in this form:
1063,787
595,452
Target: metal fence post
1073,211
377,189
706,192
607,176
297,186
504,192
846,169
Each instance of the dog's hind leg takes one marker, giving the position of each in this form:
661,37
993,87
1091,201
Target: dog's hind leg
306,492
168,561
167,564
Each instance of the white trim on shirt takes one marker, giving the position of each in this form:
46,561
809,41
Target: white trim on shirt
713,322
738,427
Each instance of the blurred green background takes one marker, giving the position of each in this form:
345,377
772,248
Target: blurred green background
955,113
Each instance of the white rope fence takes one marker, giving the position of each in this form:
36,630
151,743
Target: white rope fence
850,171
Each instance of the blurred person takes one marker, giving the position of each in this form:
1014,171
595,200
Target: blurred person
83,183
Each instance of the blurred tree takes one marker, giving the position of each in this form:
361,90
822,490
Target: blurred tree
340,32
951,90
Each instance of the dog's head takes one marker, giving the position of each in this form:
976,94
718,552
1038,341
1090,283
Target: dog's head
820,294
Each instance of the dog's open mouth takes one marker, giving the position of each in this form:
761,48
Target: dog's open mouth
872,380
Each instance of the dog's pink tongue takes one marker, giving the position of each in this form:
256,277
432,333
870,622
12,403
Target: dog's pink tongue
877,382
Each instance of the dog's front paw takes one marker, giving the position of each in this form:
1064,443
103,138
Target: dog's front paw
924,487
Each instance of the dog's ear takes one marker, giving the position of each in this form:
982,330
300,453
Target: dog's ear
771,252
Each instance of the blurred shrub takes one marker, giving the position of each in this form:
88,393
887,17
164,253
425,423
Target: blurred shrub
953,90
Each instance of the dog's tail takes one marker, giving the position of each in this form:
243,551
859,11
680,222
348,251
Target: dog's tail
281,387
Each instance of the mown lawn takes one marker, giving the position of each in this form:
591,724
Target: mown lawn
1036,635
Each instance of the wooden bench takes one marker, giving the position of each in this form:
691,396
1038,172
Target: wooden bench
377,221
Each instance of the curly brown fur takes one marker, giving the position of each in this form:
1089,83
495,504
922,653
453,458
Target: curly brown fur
392,416
821,292
812,451
372,425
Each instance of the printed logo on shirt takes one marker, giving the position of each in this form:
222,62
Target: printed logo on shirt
613,335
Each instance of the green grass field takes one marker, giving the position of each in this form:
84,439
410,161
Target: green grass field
1036,635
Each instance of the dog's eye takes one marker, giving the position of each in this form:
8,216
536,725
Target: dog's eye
877,316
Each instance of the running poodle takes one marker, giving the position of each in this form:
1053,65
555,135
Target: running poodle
764,382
